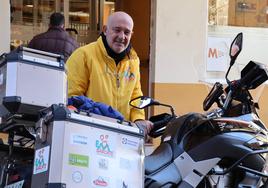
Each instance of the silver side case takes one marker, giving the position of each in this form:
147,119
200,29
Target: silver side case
91,151
35,85
33,77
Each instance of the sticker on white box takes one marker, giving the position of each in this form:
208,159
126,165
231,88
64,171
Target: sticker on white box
41,158
18,184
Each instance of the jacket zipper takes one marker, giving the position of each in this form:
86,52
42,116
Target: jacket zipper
117,77
117,80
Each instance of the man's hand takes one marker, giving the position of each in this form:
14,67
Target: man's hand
145,125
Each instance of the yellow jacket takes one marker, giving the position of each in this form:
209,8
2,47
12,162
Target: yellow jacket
93,73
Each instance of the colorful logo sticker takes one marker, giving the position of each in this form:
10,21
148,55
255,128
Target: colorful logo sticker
130,142
78,160
101,181
79,139
18,184
103,163
123,184
128,164
41,158
102,146
77,177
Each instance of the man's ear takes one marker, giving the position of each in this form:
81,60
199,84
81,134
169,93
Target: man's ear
104,29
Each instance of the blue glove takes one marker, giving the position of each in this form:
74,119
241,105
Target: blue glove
109,111
86,104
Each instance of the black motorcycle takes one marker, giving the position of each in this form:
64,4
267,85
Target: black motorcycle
224,148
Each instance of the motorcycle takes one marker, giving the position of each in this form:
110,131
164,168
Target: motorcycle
225,147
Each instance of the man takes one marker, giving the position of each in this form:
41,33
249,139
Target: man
55,39
107,70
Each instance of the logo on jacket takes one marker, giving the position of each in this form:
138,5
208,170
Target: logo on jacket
103,147
128,75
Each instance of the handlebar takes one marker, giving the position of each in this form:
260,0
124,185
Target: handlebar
159,123
213,96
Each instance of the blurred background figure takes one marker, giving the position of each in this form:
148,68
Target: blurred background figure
55,39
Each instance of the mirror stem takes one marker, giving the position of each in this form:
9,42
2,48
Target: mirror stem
227,101
226,75
171,108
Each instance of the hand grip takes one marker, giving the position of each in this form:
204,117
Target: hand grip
159,126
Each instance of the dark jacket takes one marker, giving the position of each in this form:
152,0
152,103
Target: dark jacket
55,40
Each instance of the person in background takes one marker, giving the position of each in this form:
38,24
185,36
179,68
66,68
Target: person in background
107,70
55,39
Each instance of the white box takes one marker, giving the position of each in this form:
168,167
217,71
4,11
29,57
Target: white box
33,77
82,151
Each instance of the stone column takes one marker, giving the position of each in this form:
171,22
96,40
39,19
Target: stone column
5,26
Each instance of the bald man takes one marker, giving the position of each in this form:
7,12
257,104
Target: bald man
108,71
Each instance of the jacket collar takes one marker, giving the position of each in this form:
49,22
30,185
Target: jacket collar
56,28
117,57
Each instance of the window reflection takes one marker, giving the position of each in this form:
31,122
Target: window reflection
31,12
246,13
31,17
79,16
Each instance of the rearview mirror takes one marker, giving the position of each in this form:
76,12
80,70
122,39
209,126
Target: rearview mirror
235,50
236,47
142,102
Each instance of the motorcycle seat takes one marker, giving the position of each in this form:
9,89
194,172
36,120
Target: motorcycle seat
160,157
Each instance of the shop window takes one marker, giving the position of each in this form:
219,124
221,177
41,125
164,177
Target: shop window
87,18
79,16
31,12
227,18
31,17
108,9
245,13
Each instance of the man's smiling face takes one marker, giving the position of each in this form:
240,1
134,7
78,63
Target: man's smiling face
118,31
